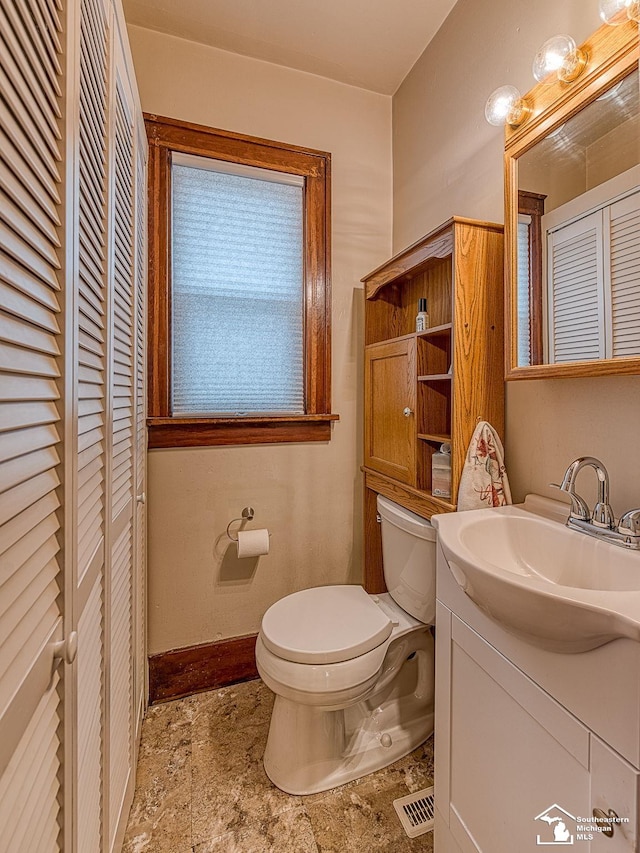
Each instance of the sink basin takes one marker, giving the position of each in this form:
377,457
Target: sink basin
555,588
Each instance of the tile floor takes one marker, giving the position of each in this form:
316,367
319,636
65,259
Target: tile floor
201,788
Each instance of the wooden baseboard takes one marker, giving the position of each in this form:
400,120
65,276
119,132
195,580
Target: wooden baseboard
181,672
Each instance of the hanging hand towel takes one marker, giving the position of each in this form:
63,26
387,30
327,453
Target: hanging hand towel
484,481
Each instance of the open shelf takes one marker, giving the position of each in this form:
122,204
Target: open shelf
391,311
432,377
438,439
432,331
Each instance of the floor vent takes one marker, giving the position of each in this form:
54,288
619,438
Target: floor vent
416,812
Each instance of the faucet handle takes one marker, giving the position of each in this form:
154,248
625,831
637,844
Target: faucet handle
579,508
629,523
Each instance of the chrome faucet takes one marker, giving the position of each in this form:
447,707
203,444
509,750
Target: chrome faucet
600,523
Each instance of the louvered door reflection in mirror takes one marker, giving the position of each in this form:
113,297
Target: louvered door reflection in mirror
573,220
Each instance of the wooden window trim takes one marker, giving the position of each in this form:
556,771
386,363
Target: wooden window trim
165,136
532,204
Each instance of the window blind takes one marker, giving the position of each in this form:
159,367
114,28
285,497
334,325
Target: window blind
524,284
237,290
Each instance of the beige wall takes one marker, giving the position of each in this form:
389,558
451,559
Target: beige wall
309,496
448,160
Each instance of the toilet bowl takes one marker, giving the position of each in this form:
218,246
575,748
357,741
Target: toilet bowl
353,673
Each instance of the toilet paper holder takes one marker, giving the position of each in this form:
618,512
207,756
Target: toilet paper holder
247,515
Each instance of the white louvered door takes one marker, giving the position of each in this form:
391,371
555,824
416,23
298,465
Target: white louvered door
121,476
72,425
90,401
624,277
140,427
575,275
31,424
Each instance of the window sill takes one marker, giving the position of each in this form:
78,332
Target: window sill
209,432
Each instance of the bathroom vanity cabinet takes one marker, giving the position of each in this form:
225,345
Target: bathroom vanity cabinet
425,388
527,738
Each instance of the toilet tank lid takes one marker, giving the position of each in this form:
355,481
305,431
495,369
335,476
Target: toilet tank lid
405,519
325,624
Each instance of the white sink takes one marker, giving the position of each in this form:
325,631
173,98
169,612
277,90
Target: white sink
556,588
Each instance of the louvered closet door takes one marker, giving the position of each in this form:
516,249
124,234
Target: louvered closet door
122,451
140,424
30,429
89,388
576,331
624,270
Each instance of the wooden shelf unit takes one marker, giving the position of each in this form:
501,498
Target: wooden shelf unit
423,389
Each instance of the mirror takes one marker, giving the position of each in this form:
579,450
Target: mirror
573,222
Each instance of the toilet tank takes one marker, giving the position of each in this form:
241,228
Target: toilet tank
409,559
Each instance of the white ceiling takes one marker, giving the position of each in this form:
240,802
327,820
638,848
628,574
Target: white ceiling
367,43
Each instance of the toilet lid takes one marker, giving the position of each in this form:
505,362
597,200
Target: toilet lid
326,624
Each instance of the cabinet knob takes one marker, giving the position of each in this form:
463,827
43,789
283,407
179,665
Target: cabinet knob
407,412
66,650
141,498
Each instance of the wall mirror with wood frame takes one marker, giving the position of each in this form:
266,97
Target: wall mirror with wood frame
572,216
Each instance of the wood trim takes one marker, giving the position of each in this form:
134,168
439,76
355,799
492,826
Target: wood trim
374,581
181,672
436,245
578,369
613,53
165,136
419,502
189,133
208,432
159,266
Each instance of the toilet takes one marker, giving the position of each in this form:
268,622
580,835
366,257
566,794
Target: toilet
353,673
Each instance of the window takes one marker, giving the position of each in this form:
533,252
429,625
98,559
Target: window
530,301
239,322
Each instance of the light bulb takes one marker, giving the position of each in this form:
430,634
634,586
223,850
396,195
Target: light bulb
558,59
616,12
506,106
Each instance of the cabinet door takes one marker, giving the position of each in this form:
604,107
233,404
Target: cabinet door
390,401
615,790
511,763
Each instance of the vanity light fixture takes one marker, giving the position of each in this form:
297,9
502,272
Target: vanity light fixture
616,12
506,106
559,59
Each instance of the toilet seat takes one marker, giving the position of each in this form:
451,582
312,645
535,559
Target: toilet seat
320,684
345,681
325,625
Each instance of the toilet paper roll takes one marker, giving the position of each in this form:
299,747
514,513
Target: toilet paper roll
253,543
